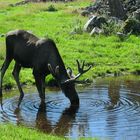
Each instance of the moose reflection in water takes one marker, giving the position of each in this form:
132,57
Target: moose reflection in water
114,93
43,57
63,125
42,122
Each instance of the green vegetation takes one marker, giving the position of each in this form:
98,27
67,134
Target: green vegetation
11,132
63,23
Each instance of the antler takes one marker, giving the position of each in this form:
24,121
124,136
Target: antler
81,69
73,78
81,72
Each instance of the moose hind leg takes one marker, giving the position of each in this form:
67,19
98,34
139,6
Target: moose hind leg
2,73
15,73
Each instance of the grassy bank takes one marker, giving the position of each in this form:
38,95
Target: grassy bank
11,132
108,55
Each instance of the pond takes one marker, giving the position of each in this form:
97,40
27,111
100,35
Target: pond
109,109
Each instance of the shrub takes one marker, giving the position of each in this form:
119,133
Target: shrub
112,27
51,8
131,26
77,27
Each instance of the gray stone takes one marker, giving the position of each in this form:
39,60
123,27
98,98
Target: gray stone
136,14
96,30
87,26
85,13
94,21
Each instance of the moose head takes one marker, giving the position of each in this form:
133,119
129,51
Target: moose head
68,85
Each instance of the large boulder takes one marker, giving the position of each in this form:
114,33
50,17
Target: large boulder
96,31
94,21
101,7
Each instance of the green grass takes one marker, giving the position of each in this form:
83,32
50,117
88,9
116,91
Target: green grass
11,132
107,54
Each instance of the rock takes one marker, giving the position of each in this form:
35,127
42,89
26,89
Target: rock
136,14
101,7
88,26
131,26
122,36
94,21
96,30
85,13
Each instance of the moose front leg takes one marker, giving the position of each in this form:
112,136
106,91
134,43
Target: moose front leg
40,84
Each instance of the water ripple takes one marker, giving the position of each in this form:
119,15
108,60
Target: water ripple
103,112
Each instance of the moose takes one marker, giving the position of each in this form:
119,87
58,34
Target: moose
43,57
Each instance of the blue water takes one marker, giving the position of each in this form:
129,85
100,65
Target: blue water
109,109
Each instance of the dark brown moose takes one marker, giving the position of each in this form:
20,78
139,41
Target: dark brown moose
43,57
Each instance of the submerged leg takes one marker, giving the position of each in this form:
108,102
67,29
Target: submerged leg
40,84
3,70
15,73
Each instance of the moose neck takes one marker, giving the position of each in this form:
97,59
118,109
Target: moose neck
68,88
